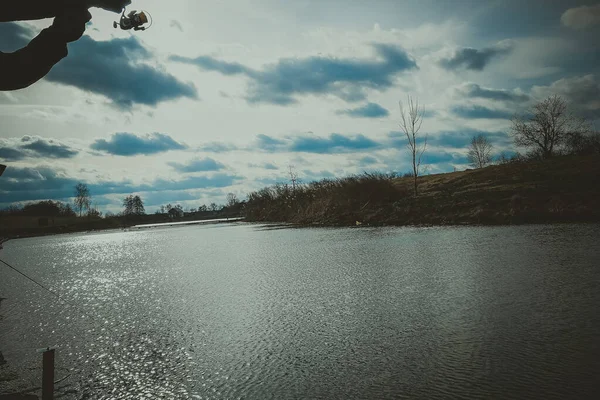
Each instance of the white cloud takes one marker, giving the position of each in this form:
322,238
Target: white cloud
581,17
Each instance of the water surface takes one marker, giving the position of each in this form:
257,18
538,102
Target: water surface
244,311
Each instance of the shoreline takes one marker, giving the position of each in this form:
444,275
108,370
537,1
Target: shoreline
73,230
286,224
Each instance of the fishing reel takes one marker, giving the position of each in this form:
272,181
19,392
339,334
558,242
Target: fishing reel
134,20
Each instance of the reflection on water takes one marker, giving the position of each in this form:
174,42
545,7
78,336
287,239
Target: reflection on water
240,311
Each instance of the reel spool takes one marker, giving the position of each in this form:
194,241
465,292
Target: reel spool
134,20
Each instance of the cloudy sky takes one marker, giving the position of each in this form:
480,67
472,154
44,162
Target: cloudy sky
223,95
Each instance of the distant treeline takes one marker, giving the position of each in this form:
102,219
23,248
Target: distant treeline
46,208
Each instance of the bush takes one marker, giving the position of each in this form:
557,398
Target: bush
340,200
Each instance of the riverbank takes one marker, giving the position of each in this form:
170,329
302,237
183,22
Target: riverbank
21,227
562,189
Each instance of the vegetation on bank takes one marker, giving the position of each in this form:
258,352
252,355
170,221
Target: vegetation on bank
559,189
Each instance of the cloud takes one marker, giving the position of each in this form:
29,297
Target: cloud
480,112
367,161
334,143
370,110
269,166
474,59
461,138
11,154
473,90
48,148
582,93
112,69
15,149
269,143
453,139
581,17
128,144
439,157
42,182
176,24
397,139
194,182
200,165
312,176
281,83
218,147
212,64
14,36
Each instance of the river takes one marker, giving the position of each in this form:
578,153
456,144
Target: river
258,312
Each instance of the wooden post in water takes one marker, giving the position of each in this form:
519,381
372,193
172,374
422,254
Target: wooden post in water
48,374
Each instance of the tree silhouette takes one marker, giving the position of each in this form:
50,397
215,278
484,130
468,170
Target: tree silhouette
480,151
133,205
82,197
411,125
547,126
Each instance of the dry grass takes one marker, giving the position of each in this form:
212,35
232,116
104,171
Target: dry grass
561,189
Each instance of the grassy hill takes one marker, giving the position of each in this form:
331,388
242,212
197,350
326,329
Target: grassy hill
562,189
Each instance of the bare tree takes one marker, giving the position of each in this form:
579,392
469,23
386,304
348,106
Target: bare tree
547,126
293,176
411,125
232,199
82,197
480,151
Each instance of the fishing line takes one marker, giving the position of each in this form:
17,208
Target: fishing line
65,301
30,278
91,318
